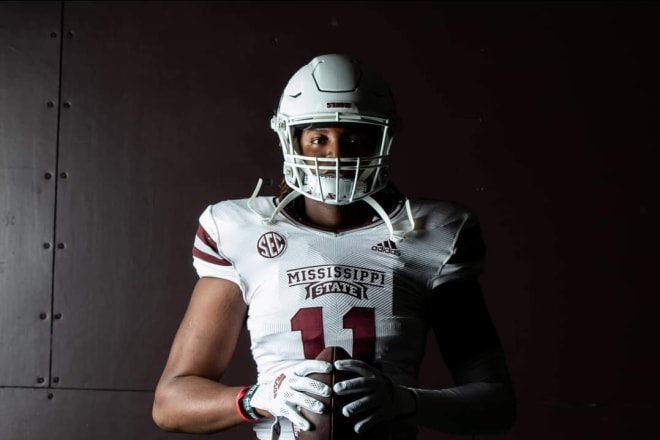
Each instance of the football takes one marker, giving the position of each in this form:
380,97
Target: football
331,425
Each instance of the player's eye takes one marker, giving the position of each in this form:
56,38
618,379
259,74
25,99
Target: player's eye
359,142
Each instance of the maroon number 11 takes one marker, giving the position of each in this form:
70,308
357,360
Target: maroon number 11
361,320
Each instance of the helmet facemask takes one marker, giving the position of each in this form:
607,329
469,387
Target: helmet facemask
336,181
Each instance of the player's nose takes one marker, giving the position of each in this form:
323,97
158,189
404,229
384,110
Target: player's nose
340,147
333,149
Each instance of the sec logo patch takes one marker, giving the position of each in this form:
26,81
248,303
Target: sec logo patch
271,244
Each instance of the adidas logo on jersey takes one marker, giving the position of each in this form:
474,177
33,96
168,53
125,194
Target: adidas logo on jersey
386,247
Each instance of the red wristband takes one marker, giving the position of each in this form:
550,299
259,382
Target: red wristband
243,412
239,406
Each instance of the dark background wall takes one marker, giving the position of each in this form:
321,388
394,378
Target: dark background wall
121,121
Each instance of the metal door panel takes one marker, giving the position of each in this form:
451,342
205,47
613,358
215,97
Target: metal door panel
31,414
29,75
154,131
511,113
167,109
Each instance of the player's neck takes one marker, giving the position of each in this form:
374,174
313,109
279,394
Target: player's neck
336,217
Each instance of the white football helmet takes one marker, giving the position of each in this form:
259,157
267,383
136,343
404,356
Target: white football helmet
335,90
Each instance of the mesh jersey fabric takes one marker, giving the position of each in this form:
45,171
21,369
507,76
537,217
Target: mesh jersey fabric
307,288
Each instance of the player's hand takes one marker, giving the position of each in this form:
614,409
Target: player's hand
378,400
291,390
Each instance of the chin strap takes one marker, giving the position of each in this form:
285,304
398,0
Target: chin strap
395,236
285,201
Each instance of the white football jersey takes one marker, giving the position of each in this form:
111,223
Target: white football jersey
307,289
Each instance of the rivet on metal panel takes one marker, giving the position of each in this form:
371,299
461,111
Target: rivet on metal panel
46,245
56,380
57,316
70,35
61,245
50,396
64,175
40,379
53,35
48,175
66,105
43,316
50,104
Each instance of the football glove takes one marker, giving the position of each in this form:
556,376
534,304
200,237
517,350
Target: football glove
379,400
284,396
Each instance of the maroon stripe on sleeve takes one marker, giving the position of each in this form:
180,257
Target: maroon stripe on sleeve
209,258
206,238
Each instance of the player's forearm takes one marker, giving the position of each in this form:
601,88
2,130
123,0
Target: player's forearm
470,409
195,405
482,402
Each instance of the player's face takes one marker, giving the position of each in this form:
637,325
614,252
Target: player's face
338,142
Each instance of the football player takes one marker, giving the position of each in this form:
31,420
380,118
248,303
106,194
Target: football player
339,258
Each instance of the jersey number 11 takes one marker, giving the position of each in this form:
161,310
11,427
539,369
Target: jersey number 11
361,320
